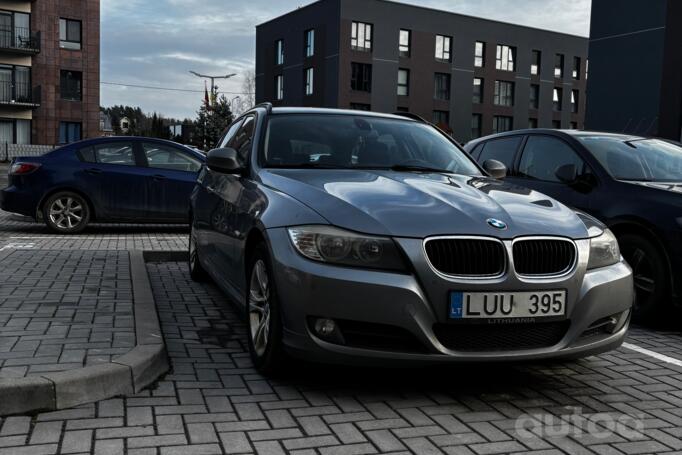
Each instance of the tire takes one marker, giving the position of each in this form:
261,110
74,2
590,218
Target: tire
66,212
196,270
651,277
264,338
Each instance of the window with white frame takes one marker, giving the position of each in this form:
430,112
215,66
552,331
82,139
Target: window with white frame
309,80
443,48
404,43
279,87
479,54
310,43
279,52
403,82
505,57
504,93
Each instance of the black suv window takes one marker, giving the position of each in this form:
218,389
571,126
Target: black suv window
242,140
502,150
543,155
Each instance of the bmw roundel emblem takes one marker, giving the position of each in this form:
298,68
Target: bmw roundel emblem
497,224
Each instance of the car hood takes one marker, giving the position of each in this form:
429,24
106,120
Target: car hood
404,204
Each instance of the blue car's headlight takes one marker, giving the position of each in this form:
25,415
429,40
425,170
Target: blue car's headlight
603,250
338,246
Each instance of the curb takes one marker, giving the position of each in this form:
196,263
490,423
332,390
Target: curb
126,375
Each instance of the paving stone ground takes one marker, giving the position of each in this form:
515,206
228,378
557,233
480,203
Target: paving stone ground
214,402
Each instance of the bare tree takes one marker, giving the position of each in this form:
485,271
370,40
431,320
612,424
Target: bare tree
248,96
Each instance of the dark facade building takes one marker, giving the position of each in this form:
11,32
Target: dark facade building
469,75
635,83
49,71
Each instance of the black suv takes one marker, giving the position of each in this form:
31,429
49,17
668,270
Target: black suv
633,184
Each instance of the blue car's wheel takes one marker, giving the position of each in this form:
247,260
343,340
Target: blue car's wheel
66,212
263,317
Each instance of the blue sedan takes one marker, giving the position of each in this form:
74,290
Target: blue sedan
117,179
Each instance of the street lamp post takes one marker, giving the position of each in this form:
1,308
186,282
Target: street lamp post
212,79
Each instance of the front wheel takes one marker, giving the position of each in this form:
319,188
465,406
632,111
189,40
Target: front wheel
66,212
650,274
263,315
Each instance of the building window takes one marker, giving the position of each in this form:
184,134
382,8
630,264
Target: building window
70,36
403,82
557,98
532,123
576,68
361,77
478,91
309,79
504,93
574,125
15,131
559,66
310,43
476,121
501,124
69,132
71,84
279,52
505,57
441,119
443,48
575,98
15,31
535,62
279,87
360,107
361,37
403,109
534,102
556,124
479,54
15,84
442,86
404,43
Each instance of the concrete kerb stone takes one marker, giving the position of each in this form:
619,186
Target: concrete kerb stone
128,374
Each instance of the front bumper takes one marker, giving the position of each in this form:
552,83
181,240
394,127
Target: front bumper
416,303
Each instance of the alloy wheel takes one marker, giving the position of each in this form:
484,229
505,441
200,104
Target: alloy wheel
259,307
66,212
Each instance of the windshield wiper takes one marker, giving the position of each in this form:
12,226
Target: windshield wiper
417,168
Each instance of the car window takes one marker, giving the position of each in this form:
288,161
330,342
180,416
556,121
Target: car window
229,134
242,140
477,150
358,141
87,155
162,156
543,155
502,150
120,153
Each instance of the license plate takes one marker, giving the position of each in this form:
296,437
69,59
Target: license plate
487,305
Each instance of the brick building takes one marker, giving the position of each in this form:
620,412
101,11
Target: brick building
49,71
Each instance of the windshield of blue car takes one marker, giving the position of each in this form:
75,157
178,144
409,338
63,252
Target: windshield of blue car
646,160
360,142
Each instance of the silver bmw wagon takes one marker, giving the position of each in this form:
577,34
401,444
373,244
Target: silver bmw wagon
354,237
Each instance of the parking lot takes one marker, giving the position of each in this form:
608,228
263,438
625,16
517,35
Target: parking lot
212,401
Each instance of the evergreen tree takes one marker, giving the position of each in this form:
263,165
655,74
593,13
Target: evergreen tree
211,123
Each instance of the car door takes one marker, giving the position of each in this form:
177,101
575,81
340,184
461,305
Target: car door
112,175
210,210
540,158
171,174
230,188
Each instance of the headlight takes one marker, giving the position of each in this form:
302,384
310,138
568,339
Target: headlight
337,246
603,250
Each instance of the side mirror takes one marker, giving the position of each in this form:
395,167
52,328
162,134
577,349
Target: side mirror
223,160
568,173
496,169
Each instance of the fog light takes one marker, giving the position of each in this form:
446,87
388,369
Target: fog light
325,327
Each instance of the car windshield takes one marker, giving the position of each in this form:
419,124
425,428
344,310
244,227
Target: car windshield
357,142
649,160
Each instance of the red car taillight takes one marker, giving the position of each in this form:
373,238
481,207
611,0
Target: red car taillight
23,168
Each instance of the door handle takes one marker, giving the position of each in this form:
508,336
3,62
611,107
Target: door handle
158,177
210,189
93,171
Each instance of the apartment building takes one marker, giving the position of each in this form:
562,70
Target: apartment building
635,84
49,71
470,76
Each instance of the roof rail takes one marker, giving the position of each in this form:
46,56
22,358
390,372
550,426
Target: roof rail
416,117
267,106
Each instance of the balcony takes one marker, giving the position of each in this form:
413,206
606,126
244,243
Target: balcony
19,95
19,40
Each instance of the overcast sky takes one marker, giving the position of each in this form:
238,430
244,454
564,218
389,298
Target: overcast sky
156,42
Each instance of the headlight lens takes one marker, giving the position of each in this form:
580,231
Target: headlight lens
338,246
603,250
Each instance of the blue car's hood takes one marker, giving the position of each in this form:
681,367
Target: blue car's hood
406,204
